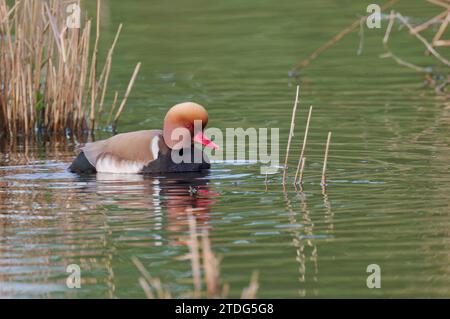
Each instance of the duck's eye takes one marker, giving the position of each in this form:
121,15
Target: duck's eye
180,152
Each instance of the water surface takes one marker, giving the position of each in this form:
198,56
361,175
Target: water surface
387,201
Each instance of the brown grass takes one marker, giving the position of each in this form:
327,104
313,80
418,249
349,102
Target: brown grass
203,262
301,163
330,43
291,135
49,80
325,160
433,45
298,179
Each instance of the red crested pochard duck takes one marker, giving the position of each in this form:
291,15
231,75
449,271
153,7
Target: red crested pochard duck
152,151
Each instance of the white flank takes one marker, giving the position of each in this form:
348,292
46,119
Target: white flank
155,147
108,164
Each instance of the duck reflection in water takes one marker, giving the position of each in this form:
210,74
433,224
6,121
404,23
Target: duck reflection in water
166,200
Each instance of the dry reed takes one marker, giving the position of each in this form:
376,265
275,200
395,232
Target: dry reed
424,41
316,53
325,159
203,261
389,53
291,134
442,21
130,85
298,180
150,284
302,169
305,138
48,76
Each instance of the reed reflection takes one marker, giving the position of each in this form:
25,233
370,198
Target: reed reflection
161,200
50,218
302,240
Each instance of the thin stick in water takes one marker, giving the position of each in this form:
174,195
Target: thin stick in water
291,134
439,3
424,41
389,27
104,77
195,255
441,30
302,167
130,85
430,22
93,75
324,170
113,107
334,40
304,144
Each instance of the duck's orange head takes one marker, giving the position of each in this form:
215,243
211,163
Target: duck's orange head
184,124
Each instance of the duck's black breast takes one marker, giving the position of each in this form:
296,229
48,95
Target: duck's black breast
81,165
165,164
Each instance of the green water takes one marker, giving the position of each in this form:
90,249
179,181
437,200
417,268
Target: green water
387,200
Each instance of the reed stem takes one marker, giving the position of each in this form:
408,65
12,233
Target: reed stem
130,85
48,74
195,256
305,138
302,168
291,134
324,170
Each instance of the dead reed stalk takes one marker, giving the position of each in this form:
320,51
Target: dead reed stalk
315,54
291,134
150,284
266,185
389,53
305,138
195,258
442,20
430,22
48,76
127,93
302,169
429,46
325,159
203,261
